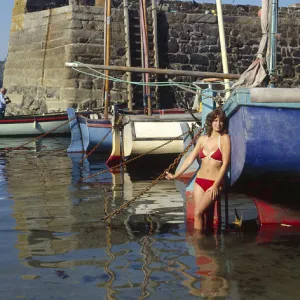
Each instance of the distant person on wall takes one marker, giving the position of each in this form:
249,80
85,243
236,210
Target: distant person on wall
3,101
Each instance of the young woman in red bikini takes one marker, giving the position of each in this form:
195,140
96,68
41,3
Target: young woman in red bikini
214,151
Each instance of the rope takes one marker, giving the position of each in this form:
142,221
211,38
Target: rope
40,136
153,183
136,157
98,145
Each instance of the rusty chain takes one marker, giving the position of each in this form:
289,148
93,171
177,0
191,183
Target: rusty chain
42,135
136,157
154,182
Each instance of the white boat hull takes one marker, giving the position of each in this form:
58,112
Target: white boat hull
142,136
30,126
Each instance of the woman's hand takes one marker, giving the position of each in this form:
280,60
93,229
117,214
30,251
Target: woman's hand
170,176
214,190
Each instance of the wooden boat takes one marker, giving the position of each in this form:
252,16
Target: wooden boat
139,134
86,133
263,127
33,125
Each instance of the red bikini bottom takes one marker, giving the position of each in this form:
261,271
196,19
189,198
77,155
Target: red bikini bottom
205,184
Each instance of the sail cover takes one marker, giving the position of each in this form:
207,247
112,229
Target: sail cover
256,72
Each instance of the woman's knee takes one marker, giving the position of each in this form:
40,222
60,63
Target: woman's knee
198,213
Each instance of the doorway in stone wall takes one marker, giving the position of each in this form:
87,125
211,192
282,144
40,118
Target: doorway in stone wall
37,5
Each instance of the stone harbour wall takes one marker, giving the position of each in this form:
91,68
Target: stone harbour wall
36,76
2,65
42,41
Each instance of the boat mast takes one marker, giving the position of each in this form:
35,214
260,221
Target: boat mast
107,58
146,62
274,22
104,52
223,45
128,53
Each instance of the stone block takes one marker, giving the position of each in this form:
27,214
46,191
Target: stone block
55,73
297,69
75,24
56,105
56,63
296,61
201,18
287,60
197,59
187,48
13,80
15,98
52,93
175,17
287,71
296,53
86,84
173,46
178,58
97,83
173,33
60,18
59,42
83,17
75,94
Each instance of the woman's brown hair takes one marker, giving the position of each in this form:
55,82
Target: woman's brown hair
217,113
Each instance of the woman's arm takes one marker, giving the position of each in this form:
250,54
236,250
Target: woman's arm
188,161
226,159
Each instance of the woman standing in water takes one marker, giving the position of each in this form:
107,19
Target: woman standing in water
214,151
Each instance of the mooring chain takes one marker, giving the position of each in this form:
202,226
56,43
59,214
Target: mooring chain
153,183
136,157
41,136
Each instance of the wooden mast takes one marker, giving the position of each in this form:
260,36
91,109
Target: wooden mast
155,46
107,58
104,51
146,53
128,53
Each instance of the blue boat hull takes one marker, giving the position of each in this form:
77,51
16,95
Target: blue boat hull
87,133
265,141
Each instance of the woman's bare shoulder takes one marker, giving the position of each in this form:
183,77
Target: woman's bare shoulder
225,137
202,137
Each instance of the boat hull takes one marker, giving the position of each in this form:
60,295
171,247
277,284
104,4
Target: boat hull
33,125
88,133
265,141
144,134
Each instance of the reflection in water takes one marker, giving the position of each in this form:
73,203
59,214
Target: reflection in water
204,248
52,239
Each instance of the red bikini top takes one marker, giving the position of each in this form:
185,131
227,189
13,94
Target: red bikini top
216,155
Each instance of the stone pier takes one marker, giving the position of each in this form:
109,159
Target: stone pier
45,34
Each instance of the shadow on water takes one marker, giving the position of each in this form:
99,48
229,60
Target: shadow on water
53,244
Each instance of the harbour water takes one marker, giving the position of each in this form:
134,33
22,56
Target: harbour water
54,247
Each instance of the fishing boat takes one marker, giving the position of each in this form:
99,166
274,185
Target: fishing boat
263,121
34,125
88,131
140,134
263,127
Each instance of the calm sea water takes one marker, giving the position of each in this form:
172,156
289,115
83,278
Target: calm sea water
54,247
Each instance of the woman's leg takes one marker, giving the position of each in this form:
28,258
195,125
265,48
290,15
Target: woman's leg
202,202
198,195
